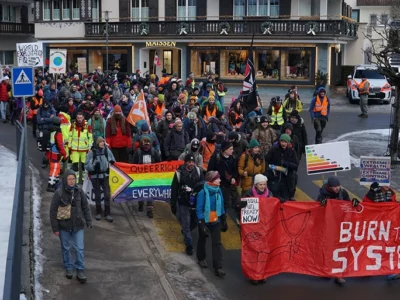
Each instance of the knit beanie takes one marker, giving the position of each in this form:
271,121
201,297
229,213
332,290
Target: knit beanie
289,126
160,97
333,181
285,137
253,144
260,178
144,127
117,108
233,136
226,145
99,140
211,176
178,121
263,119
219,114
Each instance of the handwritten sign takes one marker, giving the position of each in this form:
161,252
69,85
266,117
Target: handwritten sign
375,169
30,54
250,214
82,65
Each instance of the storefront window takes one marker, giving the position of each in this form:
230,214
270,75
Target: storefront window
204,62
233,63
295,64
72,58
266,63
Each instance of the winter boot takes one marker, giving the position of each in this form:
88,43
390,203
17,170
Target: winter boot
189,250
98,212
80,276
51,188
220,273
108,218
150,214
68,274
202,264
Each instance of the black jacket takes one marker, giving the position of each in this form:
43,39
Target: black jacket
175,142
299,130
189,178
326,193
226,167
285,158
139,156
80,211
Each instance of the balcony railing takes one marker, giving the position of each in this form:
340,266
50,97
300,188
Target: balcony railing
233,28
375,2
17,28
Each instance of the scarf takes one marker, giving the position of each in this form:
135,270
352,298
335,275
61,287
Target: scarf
277,108
114,124
380,196
208,186
255,192
98,125
258,159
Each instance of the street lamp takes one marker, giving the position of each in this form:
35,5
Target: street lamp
107,19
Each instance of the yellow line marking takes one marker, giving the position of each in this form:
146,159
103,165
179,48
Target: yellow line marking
301,196
320,182
167,228
231,239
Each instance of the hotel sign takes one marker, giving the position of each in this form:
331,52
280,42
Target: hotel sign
160,44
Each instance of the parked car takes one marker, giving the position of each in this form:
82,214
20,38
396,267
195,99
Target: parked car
380,89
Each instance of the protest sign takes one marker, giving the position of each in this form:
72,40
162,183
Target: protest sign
82,65
375,169
250,214
335,240
58,61
30,54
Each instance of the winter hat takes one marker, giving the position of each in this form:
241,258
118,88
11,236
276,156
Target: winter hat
196,88
193,98
211,176
253,144
210,136
226,145
178,121
117,108
211,98
260,178
145,140
233,136
333,181
161,97
144,127
195,110
188,82
295,114
189,157
288,126
285,137
219,114
181,96
374,186
95,110
151,85
195,144
263,119
209,85
99,140
211,94
191,115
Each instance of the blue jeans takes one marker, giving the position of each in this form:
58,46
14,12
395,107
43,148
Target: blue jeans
183,215
3,110
77,244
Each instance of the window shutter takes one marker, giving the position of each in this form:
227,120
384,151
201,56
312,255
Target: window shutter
153,10
124,10
170,9
284,8
201,9
226,9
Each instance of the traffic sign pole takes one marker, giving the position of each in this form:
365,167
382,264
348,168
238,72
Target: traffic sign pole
25,133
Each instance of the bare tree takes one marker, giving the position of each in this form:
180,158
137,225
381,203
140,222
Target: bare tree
383,52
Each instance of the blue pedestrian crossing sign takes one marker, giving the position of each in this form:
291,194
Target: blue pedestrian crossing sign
23,84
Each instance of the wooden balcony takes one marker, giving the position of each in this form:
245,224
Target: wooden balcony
17,28
233,29
376,2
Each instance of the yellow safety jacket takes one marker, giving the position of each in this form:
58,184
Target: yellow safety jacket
277,118
80,137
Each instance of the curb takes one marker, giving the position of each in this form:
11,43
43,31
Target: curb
144,240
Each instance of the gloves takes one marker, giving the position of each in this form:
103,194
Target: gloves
323,201
173,209
64,159
203,230
224,224
112,162
355,202
242,204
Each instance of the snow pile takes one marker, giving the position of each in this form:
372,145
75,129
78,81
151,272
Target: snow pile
8,176
37,233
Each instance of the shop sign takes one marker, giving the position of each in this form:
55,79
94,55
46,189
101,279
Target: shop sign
296,48
234,48
205,48
160,44
264,48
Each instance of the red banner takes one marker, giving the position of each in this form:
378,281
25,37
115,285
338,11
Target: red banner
336,240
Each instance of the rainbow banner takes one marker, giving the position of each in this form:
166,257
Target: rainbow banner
130,182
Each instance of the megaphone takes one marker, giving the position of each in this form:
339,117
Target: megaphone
278,168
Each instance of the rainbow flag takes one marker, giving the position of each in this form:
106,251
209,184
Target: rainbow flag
130,182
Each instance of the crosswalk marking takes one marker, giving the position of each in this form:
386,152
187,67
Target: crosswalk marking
301,196
231,239
320,182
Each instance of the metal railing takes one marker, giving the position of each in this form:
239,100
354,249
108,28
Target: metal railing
12,282
17,28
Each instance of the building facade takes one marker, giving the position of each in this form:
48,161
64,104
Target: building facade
373,17
16,26
292,38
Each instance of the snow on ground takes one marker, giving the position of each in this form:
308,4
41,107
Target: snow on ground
372,142
37,233
8,175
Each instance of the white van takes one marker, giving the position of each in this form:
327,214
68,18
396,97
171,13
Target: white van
380,89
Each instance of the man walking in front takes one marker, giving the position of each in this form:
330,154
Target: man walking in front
363,91
319,111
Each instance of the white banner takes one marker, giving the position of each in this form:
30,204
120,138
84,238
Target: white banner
58,61
30,54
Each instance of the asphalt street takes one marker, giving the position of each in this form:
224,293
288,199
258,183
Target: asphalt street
285,286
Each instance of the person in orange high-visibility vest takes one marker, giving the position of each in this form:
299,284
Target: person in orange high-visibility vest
319,111
363,92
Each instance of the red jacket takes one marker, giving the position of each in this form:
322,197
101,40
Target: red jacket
3,92
57,150
118,140
366,199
